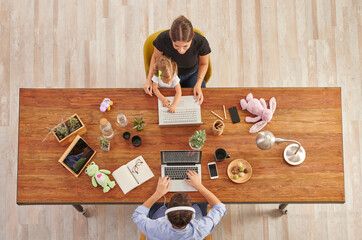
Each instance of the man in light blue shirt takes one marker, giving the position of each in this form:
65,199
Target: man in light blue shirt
175,223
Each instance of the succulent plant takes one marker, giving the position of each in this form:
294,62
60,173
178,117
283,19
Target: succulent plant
104,142
139,123
61,131
74,124
198,139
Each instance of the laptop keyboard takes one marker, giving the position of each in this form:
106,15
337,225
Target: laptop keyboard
181,157
178,173
180,116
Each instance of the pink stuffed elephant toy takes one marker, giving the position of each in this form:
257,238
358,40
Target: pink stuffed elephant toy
258,108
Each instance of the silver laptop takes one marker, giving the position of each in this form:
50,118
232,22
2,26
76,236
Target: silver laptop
188,112
175,164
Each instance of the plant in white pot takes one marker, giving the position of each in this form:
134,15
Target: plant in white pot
197,140
105,143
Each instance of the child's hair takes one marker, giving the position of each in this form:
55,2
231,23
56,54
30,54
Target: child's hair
181,30
166,66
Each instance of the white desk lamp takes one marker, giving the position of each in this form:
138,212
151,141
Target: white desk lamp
294,154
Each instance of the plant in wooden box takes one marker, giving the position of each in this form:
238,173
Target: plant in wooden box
67,130
139,123
105,143
61,131
74,124
197,140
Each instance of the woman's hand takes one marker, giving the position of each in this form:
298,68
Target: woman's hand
165,102
148,87
194,179
162,186
198,96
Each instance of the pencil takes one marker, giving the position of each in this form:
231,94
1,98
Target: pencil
217,115
223,106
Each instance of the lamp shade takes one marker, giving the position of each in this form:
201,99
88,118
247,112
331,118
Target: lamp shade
265,140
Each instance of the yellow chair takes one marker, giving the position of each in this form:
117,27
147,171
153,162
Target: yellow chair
208,237
148,51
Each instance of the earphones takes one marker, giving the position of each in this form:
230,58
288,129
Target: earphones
181,208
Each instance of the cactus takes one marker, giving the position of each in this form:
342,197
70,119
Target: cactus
139,123
61,131
74,124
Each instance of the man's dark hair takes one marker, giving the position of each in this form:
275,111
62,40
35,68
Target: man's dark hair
180,218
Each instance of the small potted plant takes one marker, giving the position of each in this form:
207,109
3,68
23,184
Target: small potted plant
74,124
105,143
67,130
197,140
61,131
139,123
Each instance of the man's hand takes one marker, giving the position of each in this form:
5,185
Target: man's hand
161,189
162,186
194,179
198,96
148,88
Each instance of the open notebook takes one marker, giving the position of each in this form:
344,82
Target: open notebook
133,174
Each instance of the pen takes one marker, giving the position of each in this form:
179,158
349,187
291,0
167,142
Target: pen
217,115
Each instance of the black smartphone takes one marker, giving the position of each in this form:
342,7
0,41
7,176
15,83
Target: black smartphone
213,170
234,115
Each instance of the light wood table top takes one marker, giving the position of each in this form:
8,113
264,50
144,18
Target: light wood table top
311,116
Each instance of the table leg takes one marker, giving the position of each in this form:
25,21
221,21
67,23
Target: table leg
282,209
80,209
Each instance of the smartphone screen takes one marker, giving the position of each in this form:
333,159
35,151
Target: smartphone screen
234,115
213,170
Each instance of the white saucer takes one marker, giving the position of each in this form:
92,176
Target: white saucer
294,159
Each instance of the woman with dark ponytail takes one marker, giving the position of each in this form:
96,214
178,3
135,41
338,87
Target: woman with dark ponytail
189,50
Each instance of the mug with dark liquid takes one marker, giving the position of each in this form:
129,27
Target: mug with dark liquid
220,154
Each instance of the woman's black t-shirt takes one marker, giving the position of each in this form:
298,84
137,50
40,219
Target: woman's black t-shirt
187,62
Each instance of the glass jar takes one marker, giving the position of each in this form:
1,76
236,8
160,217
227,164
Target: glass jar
106,128
122,120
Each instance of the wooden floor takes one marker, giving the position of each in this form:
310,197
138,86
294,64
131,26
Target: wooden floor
255,43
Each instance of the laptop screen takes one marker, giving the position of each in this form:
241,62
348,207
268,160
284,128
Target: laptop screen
181,157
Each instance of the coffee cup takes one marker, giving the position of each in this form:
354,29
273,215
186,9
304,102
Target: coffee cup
136,141
126,135
220,155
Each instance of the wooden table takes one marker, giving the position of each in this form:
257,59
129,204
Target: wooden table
310,115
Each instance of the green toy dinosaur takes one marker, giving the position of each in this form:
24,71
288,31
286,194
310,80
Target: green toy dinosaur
100,177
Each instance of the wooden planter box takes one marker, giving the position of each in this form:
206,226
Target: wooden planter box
77,156
68,139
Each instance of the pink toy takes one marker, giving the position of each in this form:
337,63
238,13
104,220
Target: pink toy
259,108
106,105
